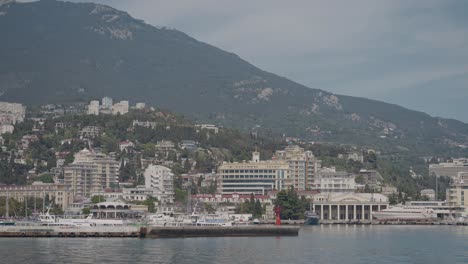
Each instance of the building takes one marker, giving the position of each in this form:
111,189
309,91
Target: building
26,140
165,145
90,172
430,193
303,167
372,178
345,207
140,105
126,145
188,145
120,108
93,108
457,193
208,127
450,169
257,177
12,113
330,180
90,132
161,181
107,102
146,124
6,128
58,193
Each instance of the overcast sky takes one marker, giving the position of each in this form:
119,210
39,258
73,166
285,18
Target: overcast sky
413,53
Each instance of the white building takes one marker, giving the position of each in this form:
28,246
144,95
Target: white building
161,180
12,113
120,108
140,105
256,176
450,169
93,108
6,129
107,102
430,193
303,167
331,180
90,172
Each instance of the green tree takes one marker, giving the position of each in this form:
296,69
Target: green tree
97,199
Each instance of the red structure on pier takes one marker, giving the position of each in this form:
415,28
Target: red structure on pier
278,215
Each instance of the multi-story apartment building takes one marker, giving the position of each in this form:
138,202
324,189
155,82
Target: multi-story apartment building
59,193
303,167
450,169
457,193
93,108
256,176
90,172
160,180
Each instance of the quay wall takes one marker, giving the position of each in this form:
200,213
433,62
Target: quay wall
217,231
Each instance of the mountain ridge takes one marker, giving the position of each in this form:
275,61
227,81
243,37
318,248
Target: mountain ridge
66,52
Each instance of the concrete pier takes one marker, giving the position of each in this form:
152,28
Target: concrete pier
63,231
218,231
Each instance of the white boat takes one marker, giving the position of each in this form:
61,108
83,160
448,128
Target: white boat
170,220
48,219
405,213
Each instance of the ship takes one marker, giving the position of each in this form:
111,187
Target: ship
405,213
311,218
52,220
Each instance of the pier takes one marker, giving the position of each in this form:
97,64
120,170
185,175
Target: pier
220,231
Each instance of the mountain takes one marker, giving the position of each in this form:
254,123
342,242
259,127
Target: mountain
54,51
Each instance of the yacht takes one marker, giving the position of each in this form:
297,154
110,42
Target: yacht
405,213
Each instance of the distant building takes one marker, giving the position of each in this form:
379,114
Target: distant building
147,124
140,105
450,169
209,127
430,193
107,102
256,176
6,129
12,113
59,194
457,193
90,172
120,108
372,178
90,132
93,108
165,145
26,140
330,180
126,145
189,145
303,167
161,180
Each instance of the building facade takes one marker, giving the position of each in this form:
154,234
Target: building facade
160,180
330,180
457,193
90,172
257,177
450,169
303,167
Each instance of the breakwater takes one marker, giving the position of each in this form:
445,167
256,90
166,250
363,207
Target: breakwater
220,231
150,232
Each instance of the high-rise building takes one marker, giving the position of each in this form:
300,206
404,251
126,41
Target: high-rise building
161,181
107,102
256,176
457,193
93,108
303,167
90,172
12,113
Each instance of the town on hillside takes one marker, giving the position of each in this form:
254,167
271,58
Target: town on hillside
82,159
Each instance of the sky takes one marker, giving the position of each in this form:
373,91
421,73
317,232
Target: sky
412,53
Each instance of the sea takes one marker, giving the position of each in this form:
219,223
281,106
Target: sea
315,244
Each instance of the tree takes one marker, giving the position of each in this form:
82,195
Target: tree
86,211
97,199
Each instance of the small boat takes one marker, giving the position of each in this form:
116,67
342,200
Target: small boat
7,223
311,218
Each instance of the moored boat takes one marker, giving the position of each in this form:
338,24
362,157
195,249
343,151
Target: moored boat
405,213
311,218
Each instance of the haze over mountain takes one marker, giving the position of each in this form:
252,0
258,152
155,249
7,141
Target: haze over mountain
55,51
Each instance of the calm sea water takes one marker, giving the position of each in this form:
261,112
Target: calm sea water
315,244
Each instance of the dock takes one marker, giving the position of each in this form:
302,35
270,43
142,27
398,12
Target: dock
221,231
149,232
